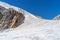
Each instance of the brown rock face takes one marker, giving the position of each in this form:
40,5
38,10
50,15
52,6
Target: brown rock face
9,18
57,17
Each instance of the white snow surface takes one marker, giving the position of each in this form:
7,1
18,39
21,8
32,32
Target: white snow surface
33,28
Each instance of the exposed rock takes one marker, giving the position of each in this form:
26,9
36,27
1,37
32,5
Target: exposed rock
57,17
39,17
9,18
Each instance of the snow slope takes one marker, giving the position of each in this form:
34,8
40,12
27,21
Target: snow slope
33,28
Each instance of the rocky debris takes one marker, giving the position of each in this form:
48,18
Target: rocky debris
2,9
9,18
57,18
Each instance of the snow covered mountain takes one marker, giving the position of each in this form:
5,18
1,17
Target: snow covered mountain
33,28
57,17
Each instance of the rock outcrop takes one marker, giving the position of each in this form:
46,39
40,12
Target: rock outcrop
57,18
10,18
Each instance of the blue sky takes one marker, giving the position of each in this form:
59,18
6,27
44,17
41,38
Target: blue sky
47,9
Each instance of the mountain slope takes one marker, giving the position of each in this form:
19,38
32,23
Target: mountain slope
57,17
33,28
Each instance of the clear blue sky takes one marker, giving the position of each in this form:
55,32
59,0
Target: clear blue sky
47,9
